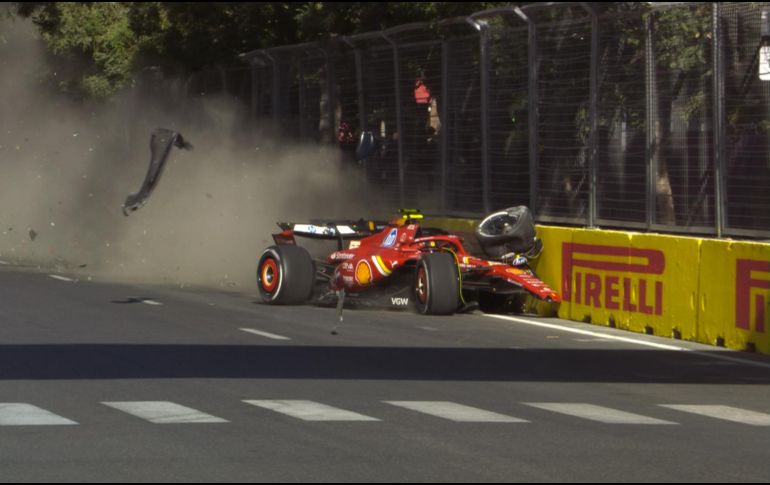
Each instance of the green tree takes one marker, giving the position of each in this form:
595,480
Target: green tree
317,20
98,47
93,45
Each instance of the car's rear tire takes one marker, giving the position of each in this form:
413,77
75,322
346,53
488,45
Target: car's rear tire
437,284
285,275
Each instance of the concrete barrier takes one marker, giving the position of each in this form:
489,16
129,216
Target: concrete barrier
734,294
704,290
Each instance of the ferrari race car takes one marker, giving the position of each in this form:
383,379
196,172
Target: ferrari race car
402,264
397,264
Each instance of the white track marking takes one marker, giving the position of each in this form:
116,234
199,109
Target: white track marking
164,412
456,412
22,414
264,334
61,278
310,410
596,413
726,413
717,354
587,333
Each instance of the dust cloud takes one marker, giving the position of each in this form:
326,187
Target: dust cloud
66,168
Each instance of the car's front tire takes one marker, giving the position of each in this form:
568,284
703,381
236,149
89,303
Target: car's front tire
437,284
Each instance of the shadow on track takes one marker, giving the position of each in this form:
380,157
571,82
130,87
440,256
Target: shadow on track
117,361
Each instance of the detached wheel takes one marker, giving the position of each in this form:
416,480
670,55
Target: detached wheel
285,275
437,286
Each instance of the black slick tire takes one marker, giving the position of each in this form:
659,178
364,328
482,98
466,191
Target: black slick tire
437,284
285,275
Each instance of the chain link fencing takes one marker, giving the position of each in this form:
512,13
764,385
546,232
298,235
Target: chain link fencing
629,115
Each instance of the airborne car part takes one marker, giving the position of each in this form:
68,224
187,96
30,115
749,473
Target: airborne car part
161,143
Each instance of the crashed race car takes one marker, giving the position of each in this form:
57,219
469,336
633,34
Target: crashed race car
401,264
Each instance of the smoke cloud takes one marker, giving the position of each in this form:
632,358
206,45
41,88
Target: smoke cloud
66,168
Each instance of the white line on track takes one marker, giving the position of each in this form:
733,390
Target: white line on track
164,412
310,410
456,412
587,333
596,413
61,278
260,333
22,414
726,413
716,354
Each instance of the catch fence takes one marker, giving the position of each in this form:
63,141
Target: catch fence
630,115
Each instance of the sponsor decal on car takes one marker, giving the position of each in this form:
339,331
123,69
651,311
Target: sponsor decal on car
363,273
342,256
399,301
381,266
315,230
516,271
390,241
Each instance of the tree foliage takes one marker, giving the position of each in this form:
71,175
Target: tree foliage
99,46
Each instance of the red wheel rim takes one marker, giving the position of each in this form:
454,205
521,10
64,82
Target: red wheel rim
268,275
422,285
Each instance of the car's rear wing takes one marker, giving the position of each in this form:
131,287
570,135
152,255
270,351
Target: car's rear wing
331,231
341,230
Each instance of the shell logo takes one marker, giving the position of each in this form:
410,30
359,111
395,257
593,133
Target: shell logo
363,273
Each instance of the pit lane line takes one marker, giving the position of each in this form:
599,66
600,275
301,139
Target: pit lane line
630,340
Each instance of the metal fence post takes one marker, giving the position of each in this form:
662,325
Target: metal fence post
484,68
399,123
444,114
651,147
358,57
719,124
331,96
302,100
360,88
361,98
483,29
593,136
533,108
276,98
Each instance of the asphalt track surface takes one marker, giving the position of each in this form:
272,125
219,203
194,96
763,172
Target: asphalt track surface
113,382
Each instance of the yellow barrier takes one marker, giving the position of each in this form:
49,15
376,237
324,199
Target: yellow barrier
734,294
710,291
639,282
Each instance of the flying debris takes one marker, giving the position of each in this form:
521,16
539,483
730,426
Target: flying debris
161,142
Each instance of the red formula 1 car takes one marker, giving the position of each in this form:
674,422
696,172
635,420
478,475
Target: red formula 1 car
402,264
